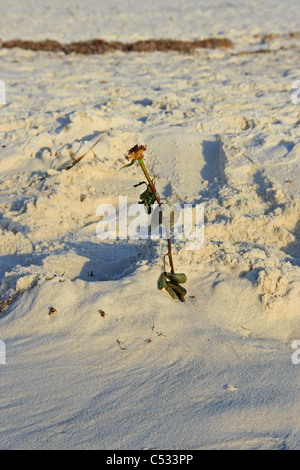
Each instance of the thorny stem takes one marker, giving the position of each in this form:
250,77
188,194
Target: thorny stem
169,254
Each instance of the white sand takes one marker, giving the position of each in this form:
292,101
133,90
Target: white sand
221,129
132,20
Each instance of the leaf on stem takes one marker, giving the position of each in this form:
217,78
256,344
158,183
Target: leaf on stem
180,277
148,198
173,287
162,281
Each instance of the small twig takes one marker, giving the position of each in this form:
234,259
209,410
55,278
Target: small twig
6,303
246,329
52,310
77,160
119,343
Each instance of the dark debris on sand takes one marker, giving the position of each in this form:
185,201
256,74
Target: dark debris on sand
99,46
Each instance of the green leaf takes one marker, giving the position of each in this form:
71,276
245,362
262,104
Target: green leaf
126,166
177,277
147,198
176,291
177,288
172,293
162,282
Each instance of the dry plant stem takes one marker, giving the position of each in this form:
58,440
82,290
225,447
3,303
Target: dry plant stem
142,164
170,254
70,165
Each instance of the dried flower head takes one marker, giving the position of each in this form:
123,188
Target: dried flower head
136,152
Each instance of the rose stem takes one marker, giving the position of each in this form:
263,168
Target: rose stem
141,162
